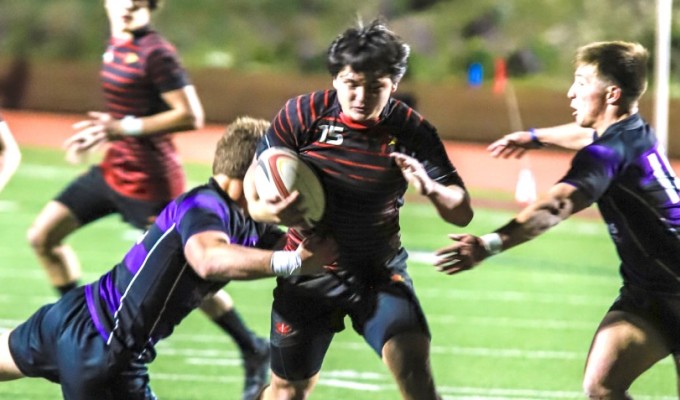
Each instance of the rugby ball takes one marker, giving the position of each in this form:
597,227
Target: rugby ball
280,172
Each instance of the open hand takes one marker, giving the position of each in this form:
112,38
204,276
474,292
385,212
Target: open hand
466,252
513,144
414,173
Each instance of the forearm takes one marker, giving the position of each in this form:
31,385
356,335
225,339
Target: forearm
568,136
185,113
534,220
235,263
452,203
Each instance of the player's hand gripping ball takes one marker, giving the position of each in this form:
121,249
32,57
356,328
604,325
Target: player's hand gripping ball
280,172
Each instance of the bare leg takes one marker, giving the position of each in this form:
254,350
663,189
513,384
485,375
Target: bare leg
8,369
407,355
254,349
624,347
281,389
50,227
216,305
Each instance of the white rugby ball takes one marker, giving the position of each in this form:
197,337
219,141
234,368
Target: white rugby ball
280,172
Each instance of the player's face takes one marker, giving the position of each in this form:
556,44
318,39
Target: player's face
128,15
362,96
588,96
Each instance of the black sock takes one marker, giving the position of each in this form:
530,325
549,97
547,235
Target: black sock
231,323
66,288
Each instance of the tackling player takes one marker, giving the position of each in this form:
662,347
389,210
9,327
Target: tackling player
625,172
97,339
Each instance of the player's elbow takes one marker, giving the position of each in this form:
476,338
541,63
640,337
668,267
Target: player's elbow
462,217
210,270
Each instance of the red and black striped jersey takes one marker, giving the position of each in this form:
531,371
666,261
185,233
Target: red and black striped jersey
134,74
364,187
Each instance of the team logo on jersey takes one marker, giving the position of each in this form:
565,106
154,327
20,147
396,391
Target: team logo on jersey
131,58
108,56
283,328
331,134
397,278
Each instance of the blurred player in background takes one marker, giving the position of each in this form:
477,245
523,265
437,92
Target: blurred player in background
625,172
10,155
148,95
367,147
97,339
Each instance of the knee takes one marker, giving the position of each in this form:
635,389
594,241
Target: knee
281,389
38,239
596,389
44,240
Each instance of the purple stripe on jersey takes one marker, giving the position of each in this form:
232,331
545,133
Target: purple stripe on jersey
201,200
89,298
135,258
109,292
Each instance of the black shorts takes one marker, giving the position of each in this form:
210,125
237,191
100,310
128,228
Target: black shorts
60,343
89,198
303,326
661,310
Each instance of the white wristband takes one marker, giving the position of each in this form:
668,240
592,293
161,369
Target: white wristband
286,263
131,126
492,243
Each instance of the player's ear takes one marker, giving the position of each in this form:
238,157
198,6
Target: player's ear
614,94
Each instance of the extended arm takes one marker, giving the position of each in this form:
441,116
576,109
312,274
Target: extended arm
562,201
515,144
452,202
10,155
185,113
213,257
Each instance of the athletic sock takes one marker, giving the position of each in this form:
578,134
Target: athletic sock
67,288
231,323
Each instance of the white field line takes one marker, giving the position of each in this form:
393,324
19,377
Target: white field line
352,380
372,381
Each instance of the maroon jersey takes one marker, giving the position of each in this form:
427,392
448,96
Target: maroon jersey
134,75
364,186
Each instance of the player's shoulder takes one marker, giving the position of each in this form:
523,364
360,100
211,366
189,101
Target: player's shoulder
317,100
152,41
307,108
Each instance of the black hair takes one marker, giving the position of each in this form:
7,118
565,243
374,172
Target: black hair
373,48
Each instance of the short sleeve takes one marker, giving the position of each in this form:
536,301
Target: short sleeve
201,213
593,169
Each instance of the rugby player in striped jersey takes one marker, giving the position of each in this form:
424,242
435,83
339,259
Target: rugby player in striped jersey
148,96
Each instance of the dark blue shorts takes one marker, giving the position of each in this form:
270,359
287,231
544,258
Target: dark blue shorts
303,326
60,343
661,310
90,198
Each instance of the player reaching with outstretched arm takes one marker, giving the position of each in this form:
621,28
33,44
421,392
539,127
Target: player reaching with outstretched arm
629,177
97,339
367,147
148,96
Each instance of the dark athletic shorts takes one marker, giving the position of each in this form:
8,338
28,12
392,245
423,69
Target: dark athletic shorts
89,198
661,310
303,325
60,343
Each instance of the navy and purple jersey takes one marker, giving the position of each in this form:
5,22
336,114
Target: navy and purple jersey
636,190
153,288
364,187
134,74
